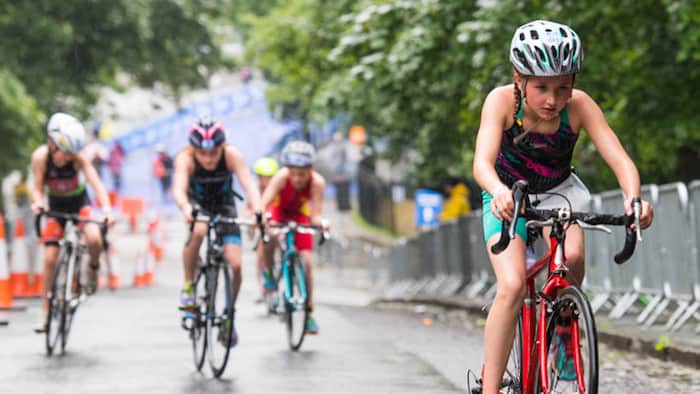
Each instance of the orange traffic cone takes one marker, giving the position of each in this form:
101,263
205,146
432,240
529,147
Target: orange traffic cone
139,273
155,238
5,288
19,273
113,268
149,265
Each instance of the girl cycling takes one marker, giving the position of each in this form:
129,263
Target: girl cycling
528,131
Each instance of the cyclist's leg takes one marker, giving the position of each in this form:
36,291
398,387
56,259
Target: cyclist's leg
231,236
260,266
232,254
190,254
509,267
574,251
304,244
51,234
270,248
93,239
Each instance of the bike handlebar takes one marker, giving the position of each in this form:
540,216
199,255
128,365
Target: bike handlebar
302,228
565,215
72,217
201,216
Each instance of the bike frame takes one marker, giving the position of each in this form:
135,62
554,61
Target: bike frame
289,252
71,242
534,328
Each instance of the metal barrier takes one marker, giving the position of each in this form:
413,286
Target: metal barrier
659,286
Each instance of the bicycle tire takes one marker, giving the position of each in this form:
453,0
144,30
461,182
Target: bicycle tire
198,331
57,303
296,306
220,324
574,302
72,302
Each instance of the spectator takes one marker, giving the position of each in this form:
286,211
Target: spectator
163,170
95,151
114,162
456,204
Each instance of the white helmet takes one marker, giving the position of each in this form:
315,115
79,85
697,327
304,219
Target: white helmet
66,132
298,154
543,48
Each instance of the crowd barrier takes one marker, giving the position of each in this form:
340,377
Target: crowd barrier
658,287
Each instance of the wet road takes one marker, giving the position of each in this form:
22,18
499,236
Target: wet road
130,341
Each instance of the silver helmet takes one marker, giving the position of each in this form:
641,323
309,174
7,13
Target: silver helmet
66,132
298,154
544,48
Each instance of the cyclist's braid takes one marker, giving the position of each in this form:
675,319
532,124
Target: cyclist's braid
516,108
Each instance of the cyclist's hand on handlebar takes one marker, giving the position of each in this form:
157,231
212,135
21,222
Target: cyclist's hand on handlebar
647,215
502,203
38,207
187,212
109,217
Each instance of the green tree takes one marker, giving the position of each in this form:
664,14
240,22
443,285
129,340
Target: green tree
291,46
417,71
56,55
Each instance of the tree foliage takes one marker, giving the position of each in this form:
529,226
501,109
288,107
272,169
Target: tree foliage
56,55
417,72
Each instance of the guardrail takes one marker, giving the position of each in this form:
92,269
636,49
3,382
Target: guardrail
659,286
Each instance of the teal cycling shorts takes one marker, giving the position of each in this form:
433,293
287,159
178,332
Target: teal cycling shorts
492,226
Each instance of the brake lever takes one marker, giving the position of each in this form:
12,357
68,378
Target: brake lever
596,227
539,223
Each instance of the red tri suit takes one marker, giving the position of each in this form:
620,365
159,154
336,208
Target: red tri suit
291,204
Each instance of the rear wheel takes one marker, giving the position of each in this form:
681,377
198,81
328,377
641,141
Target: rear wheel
296,307
57,302
198,332
220,329
571,316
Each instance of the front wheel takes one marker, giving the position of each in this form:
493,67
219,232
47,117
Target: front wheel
58,303
572,346
296,304
220,329
74,296
198,332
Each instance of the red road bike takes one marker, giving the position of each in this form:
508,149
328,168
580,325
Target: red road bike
555,348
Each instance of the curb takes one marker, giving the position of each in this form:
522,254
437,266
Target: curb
675,353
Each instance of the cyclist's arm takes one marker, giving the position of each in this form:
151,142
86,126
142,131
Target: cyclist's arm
94,181
317,188
607,143
274,187
236,164
181,179
494,119
38,163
